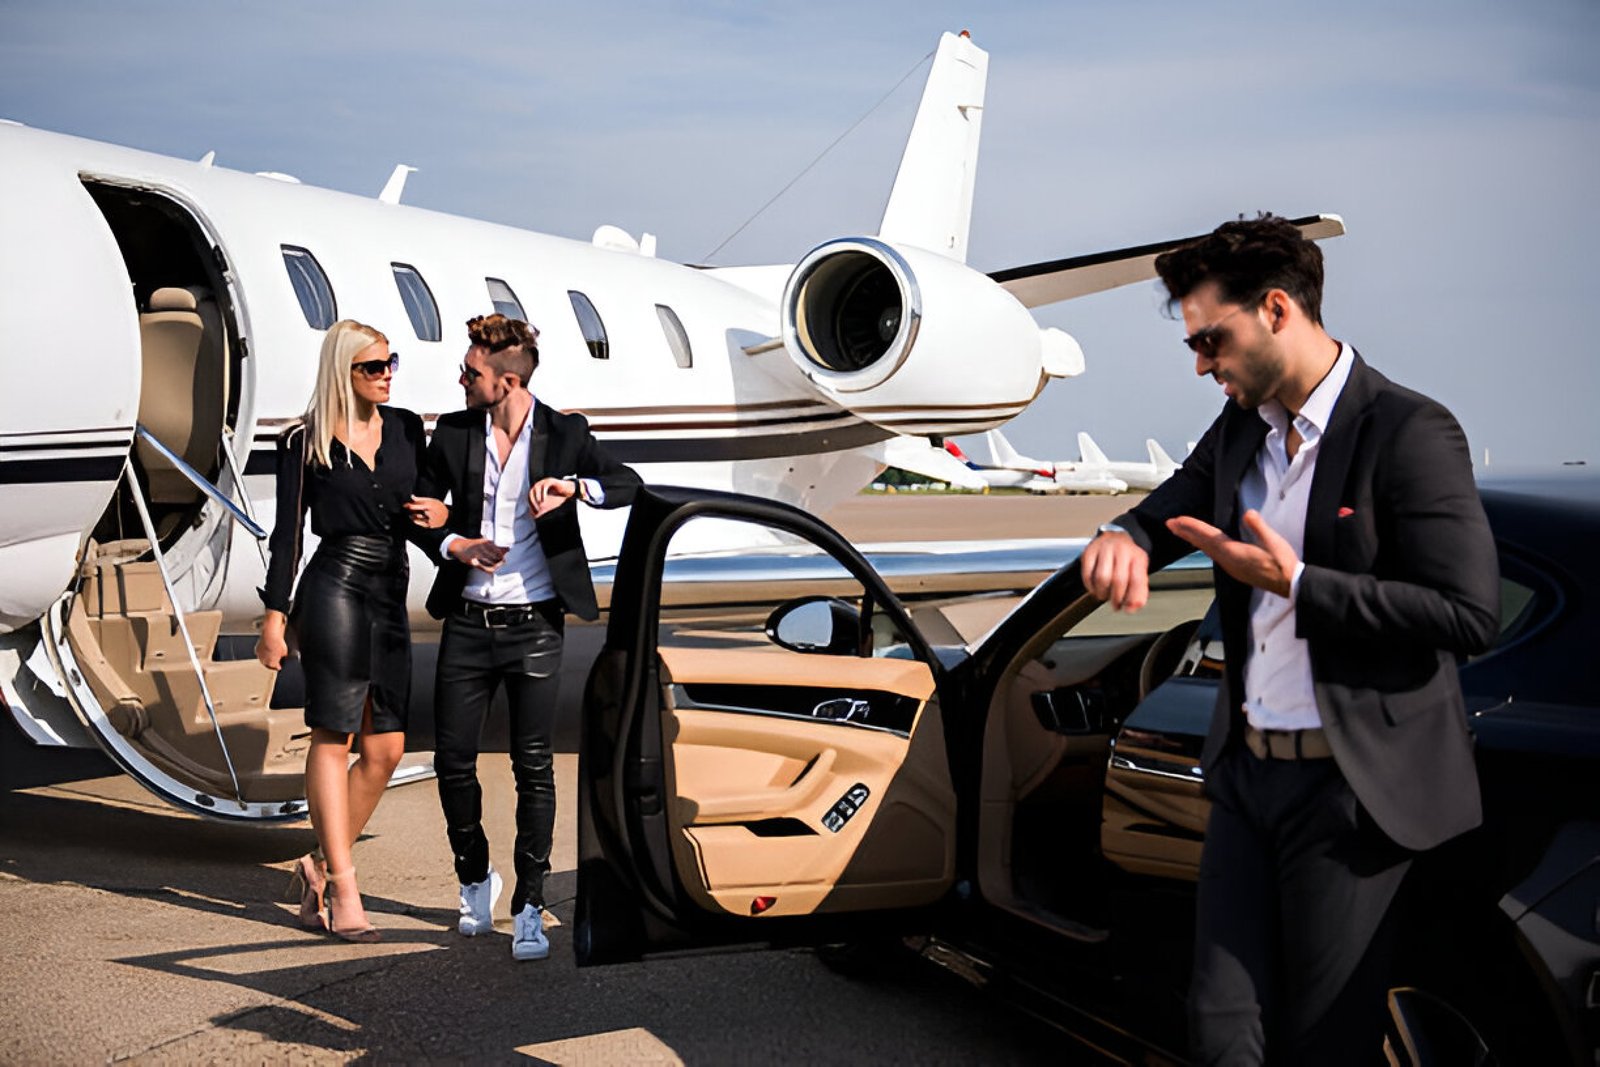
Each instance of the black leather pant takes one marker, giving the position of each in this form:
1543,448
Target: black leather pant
474,660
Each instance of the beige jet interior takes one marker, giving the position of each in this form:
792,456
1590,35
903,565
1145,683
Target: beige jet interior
750,790
121,625
129,649
184,393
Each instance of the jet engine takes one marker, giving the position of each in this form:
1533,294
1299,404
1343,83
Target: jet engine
912,340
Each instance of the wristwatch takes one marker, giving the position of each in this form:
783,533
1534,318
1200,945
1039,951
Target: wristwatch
1110,527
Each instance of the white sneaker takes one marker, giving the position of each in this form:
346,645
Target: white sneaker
477,905
527,938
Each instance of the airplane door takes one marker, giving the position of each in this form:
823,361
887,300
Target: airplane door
749,773
69,327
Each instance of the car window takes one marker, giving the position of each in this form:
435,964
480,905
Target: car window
750,607
1528,599
725,578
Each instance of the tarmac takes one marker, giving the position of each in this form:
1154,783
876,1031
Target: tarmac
134,932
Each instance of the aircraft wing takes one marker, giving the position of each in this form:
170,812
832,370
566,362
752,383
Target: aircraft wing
1062,279
928,576
914,570
919,456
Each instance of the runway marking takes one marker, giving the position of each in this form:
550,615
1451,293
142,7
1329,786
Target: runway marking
635,1046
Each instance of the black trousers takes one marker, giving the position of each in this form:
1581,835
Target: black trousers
1293,935
474,661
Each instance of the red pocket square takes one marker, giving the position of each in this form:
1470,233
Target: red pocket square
1345,513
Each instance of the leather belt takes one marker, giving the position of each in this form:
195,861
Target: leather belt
499,616
1287,744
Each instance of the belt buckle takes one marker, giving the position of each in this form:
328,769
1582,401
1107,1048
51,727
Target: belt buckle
496,617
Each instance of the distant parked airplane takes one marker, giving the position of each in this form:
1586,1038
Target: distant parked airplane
1138,475
1062,477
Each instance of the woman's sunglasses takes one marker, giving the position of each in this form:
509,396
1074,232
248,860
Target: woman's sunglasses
374,368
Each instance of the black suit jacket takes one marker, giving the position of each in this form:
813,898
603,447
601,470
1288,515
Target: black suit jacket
559,446
1400,579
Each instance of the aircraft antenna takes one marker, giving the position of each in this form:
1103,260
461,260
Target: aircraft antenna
775,196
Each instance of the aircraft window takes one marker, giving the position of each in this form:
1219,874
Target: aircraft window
311,287
505,301
594,331
418,299
677,339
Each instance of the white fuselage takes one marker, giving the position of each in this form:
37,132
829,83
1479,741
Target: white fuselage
745,415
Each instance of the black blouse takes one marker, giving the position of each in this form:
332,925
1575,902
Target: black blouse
346,499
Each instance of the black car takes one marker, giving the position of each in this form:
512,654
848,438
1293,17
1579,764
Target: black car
1016,783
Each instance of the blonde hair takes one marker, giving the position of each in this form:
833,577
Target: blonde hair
332,400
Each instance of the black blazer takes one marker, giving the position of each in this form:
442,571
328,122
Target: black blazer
560,446
1400,579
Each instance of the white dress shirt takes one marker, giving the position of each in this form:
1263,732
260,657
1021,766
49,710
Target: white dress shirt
524,575
1278,692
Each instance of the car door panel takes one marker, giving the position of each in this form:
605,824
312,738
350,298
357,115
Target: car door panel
738,784
752,787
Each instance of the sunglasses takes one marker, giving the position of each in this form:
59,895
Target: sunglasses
468,375
1204,343
374,368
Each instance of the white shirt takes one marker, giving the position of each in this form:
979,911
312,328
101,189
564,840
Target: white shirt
1278,691
524,576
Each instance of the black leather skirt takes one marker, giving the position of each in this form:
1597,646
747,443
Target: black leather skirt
350,620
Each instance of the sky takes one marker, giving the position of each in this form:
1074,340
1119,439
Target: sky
1460,141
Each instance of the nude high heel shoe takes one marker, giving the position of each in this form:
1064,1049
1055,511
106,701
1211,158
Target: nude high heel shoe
364,936
307,882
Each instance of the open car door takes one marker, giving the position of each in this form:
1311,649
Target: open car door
763,756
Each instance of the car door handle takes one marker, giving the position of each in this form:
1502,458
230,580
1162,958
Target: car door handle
1160,768
843,709
803,791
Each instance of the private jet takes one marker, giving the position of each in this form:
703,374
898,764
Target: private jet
130,537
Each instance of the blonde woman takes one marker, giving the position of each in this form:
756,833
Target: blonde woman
352,463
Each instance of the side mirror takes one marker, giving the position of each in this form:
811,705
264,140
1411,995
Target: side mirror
820,624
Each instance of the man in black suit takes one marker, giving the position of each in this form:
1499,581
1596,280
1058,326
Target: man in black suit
1354,565
514,564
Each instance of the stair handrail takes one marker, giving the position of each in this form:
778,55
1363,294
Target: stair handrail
237,475
172,595
239,515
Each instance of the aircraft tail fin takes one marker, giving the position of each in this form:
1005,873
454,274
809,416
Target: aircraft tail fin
955,450
1089,451
1158,455
1001,454
931,203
